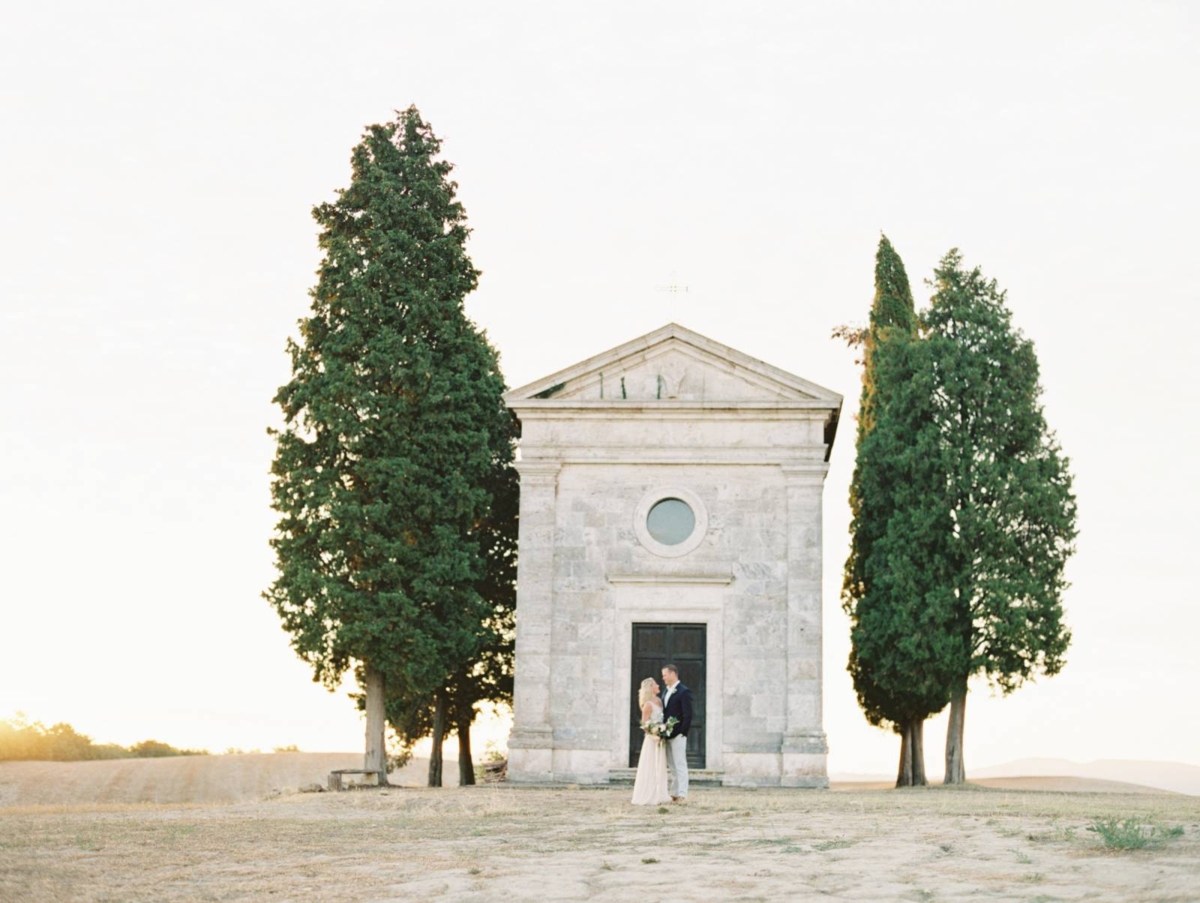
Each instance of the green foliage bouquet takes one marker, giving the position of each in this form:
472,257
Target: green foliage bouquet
660,730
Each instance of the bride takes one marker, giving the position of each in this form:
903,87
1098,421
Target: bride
650,786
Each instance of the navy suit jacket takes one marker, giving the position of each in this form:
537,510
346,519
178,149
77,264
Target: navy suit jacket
679,706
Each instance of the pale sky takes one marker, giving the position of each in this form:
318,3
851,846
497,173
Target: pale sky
159,163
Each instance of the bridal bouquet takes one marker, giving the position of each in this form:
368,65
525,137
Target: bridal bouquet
660,730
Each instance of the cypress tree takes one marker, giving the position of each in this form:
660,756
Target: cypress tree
1007,493
394,430
889,592
902,647
892,312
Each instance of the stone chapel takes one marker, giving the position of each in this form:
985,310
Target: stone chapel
671,511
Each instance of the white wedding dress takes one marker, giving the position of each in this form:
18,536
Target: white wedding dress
650,785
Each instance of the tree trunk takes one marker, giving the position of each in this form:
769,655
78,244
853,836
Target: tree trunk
912,754
466,768
918,753
439,734
376,753
956,772
904,776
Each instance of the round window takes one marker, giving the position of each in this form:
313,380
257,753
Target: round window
671,521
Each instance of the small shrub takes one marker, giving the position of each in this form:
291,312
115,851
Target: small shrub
21,739
1132,833
649,860
492,753
155,749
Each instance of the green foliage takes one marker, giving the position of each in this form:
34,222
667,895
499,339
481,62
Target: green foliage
963,514
22,740
892,313
397,447
894,586
1007,485
491,752
900,605
1133,833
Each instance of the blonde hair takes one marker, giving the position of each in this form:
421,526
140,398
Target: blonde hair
647,691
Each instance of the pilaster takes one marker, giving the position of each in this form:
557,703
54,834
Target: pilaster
531,743
804,751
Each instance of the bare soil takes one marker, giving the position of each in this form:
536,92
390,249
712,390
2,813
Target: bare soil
511,843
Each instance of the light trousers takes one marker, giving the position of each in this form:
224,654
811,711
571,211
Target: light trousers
677,772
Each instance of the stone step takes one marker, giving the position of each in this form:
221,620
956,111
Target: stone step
696,777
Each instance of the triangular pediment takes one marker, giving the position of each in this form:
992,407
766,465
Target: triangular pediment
673,365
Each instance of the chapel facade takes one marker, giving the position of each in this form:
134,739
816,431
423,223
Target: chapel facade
671,498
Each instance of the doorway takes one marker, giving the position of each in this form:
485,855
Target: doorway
654,645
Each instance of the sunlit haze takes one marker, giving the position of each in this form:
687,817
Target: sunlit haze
160,163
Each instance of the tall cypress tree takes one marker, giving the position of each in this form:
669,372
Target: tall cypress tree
394,427
1007,493
890,592
892,312
902,645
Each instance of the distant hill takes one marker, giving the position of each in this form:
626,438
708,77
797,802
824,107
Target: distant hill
1046,784
1176,777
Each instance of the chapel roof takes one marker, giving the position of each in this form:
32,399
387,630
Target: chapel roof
674,367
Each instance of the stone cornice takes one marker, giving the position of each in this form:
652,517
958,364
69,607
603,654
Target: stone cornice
810,473
713,577
766,456
549,408
538,467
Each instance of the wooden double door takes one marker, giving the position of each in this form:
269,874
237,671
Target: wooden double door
654,645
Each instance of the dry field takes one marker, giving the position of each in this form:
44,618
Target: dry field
506,843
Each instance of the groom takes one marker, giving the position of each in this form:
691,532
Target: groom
677,703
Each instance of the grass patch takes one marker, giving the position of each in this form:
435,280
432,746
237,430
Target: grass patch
836,844
649,860
770,841
1057,834
1133,833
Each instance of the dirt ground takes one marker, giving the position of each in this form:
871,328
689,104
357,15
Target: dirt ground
509,843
